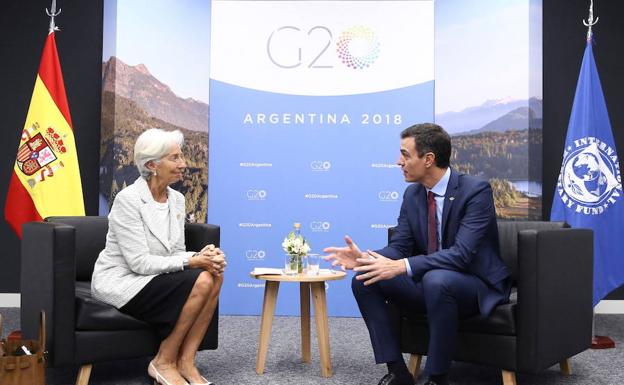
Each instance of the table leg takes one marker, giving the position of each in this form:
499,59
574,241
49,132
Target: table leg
268,309
304,296
322,327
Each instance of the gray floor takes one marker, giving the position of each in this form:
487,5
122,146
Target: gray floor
352,358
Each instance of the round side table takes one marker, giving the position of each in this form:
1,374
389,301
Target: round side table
307,283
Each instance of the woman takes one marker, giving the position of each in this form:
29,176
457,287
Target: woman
145,270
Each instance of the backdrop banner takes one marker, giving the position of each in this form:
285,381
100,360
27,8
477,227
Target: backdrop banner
307,100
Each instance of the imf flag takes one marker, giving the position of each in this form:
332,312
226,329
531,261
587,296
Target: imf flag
589,189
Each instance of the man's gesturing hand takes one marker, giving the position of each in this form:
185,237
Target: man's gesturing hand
346,257
378,268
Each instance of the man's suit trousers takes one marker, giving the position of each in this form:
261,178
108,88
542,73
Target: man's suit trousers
445,296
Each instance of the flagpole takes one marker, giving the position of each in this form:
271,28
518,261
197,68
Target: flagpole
590,21
46,174
598,342
52,13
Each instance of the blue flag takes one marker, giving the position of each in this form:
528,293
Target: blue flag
589,188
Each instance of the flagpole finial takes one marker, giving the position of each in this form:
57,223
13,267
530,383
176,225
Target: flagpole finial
52,13
590,21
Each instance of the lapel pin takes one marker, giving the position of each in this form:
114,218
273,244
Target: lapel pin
451,198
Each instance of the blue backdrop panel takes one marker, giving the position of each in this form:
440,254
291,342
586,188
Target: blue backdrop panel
334,178
307,100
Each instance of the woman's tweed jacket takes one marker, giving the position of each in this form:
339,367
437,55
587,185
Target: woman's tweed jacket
136,247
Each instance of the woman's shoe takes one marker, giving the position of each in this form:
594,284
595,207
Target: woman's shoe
206,382
158,378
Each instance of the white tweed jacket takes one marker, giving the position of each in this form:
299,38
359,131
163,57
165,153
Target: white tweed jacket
136,247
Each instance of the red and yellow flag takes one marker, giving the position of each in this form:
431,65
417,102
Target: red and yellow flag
46,177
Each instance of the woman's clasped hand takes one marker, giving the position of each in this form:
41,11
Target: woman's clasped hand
210,259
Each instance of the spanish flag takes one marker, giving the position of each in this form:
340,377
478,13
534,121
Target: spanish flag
46,177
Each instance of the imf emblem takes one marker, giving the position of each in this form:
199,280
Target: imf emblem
589,181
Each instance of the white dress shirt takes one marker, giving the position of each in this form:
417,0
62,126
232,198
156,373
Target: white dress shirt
439,191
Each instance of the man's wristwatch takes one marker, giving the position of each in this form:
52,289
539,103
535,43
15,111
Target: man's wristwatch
186,263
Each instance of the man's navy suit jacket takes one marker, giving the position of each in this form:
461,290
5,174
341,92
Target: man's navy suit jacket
469,237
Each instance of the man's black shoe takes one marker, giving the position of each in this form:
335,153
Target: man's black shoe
393,379
432,382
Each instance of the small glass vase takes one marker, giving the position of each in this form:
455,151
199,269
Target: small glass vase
293,264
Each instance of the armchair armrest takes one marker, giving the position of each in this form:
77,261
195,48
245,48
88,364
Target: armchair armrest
198,235
555,285
48,275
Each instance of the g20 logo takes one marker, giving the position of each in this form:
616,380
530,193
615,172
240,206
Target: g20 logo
357,47
388,196
320,226
256,195
254,255
320,165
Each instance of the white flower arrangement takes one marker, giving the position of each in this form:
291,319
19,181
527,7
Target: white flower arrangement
295,244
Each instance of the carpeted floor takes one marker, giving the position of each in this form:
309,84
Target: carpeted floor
352,358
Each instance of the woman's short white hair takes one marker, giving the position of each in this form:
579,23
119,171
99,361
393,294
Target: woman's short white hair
153,144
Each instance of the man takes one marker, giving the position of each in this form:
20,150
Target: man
442,259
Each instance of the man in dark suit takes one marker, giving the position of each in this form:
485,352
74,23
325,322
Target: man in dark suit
442,259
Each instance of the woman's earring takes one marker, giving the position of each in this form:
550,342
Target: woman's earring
154,172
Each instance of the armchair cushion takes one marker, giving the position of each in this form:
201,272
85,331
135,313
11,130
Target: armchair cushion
502,321
92,314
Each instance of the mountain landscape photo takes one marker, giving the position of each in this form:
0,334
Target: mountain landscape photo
155,98
500,141
476,118
133,100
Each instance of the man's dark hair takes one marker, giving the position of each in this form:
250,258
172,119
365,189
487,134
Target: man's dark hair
430,137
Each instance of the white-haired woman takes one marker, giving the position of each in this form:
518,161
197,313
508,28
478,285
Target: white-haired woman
145,270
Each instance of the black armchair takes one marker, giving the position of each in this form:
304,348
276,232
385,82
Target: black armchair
549,317
57,263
